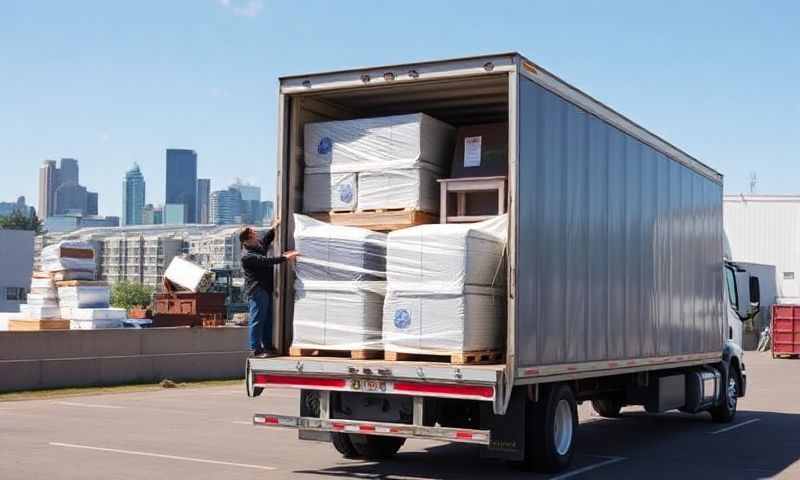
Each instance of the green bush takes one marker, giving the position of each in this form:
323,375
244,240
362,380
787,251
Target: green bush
128,295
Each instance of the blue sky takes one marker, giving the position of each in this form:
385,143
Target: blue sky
112,83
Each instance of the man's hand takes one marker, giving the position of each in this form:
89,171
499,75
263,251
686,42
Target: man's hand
290,254
275,222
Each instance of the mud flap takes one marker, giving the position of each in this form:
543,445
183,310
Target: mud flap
508,431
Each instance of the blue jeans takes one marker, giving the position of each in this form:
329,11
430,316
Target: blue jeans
260,324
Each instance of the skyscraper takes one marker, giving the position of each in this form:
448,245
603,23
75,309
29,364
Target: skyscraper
47,188
203,199
92,201
267,211
68,172
133,192
182,181
226,207
251,210
174,214
70,198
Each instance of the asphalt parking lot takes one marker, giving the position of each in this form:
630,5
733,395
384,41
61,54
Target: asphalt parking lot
206,433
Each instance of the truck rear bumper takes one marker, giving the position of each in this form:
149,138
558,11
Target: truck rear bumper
459,435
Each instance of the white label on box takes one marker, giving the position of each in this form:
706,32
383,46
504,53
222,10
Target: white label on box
472,152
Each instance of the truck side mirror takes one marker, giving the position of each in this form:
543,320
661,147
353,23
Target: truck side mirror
745,309
755,291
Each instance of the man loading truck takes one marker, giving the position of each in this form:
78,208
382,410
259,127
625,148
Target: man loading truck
257,266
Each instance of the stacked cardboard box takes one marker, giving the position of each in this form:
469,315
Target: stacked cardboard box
376,163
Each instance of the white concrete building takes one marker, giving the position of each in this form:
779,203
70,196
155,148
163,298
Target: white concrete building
766,229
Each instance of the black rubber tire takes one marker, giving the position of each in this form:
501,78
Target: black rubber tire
725,412
541,452
341,442
376,447
607,407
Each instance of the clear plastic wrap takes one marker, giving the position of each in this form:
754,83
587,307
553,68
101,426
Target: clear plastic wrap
42,299
338,253
445,288
415,188
93,314
371,163
40,312
340,286
69,255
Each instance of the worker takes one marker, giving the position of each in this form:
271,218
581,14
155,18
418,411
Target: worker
258,267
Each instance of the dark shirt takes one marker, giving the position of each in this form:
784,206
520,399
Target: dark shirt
258,266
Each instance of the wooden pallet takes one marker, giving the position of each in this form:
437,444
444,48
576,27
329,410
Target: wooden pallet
81,283
456,358
37,325
321,352
384,220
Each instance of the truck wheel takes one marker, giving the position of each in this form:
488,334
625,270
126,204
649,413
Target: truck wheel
607,407
252,391
375,447
342,444
551,433
726,410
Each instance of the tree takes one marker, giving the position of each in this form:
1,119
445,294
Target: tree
129,294
18,221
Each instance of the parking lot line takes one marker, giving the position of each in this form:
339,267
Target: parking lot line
87,405
580,471
727,429
159,455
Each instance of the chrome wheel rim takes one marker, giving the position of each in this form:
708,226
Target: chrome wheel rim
732,392
563,427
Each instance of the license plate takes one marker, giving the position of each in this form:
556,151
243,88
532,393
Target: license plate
369,385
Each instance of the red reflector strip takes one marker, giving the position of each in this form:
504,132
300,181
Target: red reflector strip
337,426
261,379
464,435
486,392
366,428
271,421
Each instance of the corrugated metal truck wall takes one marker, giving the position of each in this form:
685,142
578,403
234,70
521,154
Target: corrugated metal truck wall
619,247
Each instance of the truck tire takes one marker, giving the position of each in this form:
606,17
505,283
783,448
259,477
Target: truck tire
341,442
376,447
607,407
553,421
725,412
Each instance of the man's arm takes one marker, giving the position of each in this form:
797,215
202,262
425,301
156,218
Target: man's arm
268,237
256,261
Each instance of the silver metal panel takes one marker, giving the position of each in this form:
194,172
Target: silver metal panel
619,247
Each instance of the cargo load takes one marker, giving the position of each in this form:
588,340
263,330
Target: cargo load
40,312
94,318
339,287
444,289
349,163
189,275
69,255
84,296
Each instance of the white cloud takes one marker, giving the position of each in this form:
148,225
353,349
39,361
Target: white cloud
243,8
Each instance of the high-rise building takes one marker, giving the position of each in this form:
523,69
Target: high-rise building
68,171
9,208
251,202
203,200
249,192
47,188
226,207
182,181
174,214
133,193
91,203
158,215
70,197
147,214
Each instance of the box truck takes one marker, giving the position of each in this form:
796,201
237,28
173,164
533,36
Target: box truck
618,290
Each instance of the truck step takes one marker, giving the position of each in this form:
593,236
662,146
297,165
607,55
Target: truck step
456,358
321,352
379,220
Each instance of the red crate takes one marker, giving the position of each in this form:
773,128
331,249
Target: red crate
785,330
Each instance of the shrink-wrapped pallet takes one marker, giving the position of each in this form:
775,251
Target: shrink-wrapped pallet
340,286
441,322
412,188
445,290
338,315
69,255
40,312
189,275
338,253
84,296
415,149
93,318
